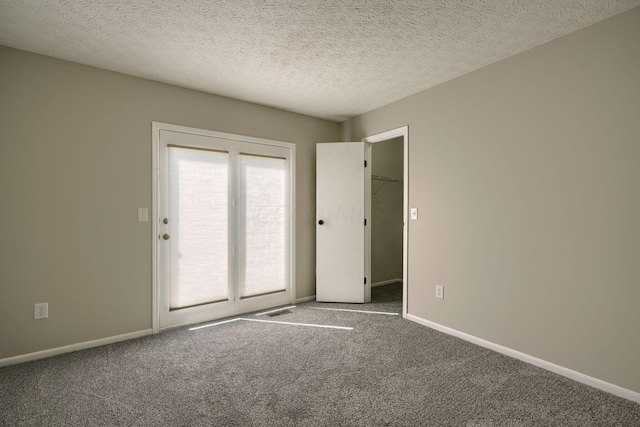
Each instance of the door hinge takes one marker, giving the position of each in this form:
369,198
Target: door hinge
365,280
365,163
365,222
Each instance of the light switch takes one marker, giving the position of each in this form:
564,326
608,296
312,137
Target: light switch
414,213
143,214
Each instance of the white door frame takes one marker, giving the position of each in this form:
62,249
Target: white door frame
156,127
390,134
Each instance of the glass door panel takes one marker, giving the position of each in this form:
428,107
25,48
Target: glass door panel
199,214
263,225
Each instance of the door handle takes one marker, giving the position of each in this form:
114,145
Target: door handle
321,222
166,236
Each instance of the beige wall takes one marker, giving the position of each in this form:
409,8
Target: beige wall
386,211
527,177
75,164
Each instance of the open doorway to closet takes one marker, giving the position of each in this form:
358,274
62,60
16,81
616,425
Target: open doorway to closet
388,154
387,171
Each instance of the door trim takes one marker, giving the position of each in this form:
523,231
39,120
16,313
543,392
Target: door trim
383,136
156,127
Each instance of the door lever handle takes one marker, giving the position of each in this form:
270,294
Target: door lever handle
166,236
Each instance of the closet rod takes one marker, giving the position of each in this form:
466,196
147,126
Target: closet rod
385,178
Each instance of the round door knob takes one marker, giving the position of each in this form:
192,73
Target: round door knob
321,222
165,236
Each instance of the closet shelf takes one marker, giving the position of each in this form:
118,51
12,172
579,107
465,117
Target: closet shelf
385,178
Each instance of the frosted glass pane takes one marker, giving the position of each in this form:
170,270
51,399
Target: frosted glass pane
263,225
198,224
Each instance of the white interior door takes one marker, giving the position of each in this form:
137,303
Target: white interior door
225,227
340,222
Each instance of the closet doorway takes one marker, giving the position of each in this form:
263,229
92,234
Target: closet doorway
387,257
386,212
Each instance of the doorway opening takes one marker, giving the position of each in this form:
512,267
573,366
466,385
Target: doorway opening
387,243
386,218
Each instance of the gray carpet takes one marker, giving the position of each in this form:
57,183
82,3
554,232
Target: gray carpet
387,371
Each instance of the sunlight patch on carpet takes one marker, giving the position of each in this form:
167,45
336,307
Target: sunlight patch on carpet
355,311
312,325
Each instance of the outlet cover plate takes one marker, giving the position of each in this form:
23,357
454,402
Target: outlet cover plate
439,291
41,311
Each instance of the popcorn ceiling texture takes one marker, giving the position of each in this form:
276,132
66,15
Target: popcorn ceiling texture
332,59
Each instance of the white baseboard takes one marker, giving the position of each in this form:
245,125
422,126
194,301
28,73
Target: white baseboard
565,372
72,347
386,282
306,299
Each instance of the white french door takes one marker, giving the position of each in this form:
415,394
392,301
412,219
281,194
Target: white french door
224,224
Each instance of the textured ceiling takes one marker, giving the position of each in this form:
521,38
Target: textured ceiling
326,58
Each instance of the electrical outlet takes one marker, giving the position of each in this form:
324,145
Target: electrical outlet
439,291
414,213
41,311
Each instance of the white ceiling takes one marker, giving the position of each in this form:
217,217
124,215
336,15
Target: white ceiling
332,59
